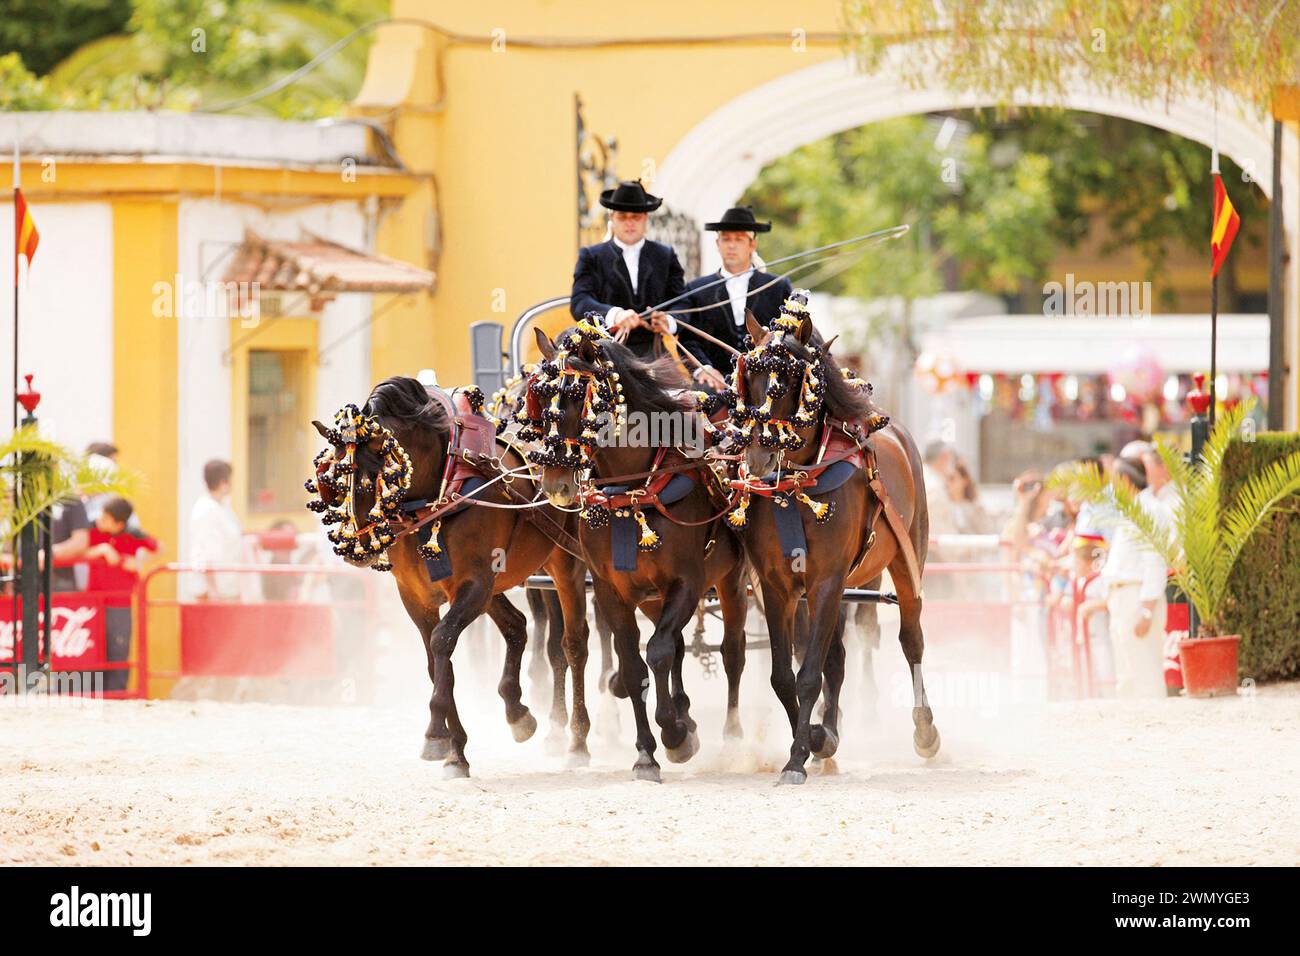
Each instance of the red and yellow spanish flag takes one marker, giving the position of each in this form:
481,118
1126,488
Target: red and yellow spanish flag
26,238
1226,222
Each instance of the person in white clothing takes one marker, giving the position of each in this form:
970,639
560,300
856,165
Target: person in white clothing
215,536
1134,576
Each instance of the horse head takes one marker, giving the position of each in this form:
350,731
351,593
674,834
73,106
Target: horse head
367,470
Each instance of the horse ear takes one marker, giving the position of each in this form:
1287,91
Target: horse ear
324,432
805,330
826,349
545,344
756,331
587,350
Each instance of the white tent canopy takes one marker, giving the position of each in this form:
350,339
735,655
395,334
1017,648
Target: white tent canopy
1096,344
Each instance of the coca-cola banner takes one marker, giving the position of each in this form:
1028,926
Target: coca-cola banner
77,631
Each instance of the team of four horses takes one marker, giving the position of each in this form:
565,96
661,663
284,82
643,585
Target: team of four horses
803,486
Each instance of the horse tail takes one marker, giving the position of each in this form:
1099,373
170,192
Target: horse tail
920,526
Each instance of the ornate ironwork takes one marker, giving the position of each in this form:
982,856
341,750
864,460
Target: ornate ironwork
597,162
680,231
597,171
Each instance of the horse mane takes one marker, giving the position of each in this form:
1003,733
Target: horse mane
646,385
406,401
842,400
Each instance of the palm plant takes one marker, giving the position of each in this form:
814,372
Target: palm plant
47,473
1207,534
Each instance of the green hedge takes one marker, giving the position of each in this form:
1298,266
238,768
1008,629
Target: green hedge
1264,591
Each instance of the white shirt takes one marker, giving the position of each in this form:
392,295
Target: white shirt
632,259
738,293
1129,561
215,538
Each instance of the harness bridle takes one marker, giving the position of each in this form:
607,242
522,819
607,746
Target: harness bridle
336,484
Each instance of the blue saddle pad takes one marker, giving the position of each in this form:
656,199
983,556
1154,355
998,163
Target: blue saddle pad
785,506
625,532
440,567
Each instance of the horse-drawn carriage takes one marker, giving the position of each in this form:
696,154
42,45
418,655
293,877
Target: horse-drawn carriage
803,486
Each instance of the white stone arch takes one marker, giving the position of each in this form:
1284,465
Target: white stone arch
712,165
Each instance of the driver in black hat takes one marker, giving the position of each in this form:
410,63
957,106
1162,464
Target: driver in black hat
743,289
622,277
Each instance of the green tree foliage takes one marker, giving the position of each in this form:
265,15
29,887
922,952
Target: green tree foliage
1152,50
999,203
186,54
43,32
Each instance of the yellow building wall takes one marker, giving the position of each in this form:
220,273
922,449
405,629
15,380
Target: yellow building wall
494,120
144,381
484,103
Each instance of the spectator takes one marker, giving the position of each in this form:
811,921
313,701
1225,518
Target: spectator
1091,627
116,558
969,515
215,535
70,536
938,465
1134,577
1157,474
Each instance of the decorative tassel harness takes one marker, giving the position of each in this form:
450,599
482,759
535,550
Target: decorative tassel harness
752,423
336,483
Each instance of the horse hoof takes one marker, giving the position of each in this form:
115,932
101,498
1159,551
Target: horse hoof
732,730
684,751
455,771
645,768
435,748
579,758
792,778
523,728
926,748
829,742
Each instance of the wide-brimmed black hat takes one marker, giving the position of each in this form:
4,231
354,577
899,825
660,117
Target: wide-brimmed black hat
629,197
738,219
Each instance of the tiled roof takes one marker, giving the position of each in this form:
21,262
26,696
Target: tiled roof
320,267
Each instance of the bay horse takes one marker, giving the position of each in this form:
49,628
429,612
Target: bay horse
793,405
491,550
684,547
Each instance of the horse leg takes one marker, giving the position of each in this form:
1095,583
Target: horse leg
559,668
514,628
437,742
610,678
780,609
824,614
731,598
470,601
537,638
572,596
633,673
680,700
826,735
800,637
866,625
925,738
680,742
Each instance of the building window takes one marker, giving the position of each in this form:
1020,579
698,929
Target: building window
277,399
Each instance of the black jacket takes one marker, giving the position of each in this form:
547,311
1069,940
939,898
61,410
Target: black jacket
720,321
601,281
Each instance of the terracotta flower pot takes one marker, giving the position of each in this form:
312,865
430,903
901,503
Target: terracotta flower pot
1210,665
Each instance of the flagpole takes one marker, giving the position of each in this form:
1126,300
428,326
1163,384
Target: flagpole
17,225
1214,173
20,679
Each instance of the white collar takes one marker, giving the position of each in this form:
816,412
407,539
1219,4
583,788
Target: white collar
635,247
747,271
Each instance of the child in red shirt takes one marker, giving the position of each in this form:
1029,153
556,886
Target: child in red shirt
116,557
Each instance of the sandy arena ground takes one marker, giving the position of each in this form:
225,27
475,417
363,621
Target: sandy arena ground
1097,782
